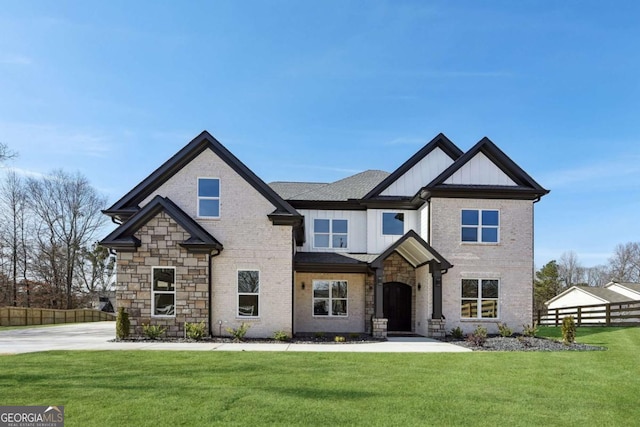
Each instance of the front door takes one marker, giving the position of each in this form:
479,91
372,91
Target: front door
396,306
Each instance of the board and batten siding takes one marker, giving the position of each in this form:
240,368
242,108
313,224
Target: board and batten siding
480,171
376,241
419,175
357,229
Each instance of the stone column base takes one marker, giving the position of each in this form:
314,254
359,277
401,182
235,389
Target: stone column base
436,328
379,328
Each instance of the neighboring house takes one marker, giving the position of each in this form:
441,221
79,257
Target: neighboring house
612,292
445,240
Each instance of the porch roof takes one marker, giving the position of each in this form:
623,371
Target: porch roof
415,250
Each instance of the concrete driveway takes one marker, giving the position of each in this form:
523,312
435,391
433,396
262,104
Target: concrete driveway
96,336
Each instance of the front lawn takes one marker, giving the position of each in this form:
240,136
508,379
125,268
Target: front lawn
158,388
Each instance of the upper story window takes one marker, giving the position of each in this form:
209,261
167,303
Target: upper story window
393,223
208,198
481,226
330,233
163,294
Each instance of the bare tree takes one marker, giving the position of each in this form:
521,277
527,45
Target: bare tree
570,269
625,262
13,213
597,276
69,212
6,153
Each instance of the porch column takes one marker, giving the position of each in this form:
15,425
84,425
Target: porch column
436,274
379,293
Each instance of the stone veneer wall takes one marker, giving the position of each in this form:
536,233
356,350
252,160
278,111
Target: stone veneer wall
159,248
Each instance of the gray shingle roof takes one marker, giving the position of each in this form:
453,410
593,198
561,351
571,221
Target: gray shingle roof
333,258
605,294
352,187
288,190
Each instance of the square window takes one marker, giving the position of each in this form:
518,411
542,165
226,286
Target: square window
479,298
330,233
330,298
480,226
393,223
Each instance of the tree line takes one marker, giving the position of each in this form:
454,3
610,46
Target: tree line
48,229
558,275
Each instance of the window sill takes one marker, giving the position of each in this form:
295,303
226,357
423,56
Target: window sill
160,316
481,243
480,319
254,318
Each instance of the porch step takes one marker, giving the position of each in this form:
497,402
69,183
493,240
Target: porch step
402,334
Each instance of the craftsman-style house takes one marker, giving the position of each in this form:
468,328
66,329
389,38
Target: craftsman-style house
445,240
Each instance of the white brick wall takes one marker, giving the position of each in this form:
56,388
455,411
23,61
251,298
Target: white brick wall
304,319
250,242
510,261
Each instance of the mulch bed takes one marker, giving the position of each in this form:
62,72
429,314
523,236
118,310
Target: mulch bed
522,343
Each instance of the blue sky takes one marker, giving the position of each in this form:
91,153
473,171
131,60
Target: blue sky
316,91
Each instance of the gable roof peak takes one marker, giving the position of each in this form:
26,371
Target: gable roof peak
184,156
439,141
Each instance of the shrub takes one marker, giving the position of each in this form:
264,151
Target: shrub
457,333
238,334
153,332
525,341
504,330
478,337
194,331
568,330
339,338
281,336
319,334
354,336
123,324
530,330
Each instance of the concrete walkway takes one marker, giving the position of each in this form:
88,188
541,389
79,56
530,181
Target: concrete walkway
96,336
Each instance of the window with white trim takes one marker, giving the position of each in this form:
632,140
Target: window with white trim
208,198
163,291
392,223
330,298
330,233
248,293
480,298
480,226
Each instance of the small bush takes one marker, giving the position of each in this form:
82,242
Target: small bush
339,338
354,336
525,341
281,336
123,325
504,330
153,332
530,330
568,330
194,331
457,333
319,334
238,334
478,337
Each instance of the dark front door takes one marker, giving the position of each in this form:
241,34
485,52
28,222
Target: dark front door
396,306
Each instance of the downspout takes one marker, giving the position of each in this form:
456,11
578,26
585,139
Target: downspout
211,256
293,280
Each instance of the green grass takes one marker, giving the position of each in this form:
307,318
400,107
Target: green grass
154,388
